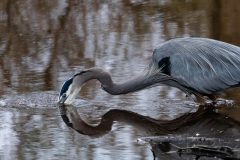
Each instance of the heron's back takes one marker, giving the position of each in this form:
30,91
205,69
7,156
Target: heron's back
205,65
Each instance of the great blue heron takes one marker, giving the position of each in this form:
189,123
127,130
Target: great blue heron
198,66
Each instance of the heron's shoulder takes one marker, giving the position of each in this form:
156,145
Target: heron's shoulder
192,45
176,43
171,48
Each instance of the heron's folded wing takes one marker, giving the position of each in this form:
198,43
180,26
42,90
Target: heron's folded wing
206,65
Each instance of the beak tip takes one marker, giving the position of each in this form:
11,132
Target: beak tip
62,99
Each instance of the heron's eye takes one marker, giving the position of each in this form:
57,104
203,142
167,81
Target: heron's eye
64,95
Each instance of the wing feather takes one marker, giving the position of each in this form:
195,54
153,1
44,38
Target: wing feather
205,65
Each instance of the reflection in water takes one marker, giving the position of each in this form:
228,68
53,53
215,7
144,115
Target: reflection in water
211,126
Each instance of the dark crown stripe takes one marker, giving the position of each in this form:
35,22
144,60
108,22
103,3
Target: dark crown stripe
66,86
79,73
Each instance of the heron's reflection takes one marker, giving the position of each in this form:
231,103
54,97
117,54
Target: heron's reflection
149,125
204,122
196,122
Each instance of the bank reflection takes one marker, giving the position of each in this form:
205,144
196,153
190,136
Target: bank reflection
215,130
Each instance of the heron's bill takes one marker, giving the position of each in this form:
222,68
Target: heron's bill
62,99
70,95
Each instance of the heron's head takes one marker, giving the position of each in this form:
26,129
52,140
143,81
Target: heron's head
72,87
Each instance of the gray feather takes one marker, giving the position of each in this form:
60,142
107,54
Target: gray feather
205,65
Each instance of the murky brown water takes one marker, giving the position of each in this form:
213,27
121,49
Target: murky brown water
42,43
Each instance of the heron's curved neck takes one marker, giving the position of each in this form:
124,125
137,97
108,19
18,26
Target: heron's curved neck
145,80
136,84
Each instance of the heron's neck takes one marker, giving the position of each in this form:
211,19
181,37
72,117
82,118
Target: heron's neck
146,80
136,84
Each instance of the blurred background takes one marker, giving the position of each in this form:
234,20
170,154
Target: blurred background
42,43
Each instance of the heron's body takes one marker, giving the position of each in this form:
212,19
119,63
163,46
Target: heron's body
199,66
204,65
